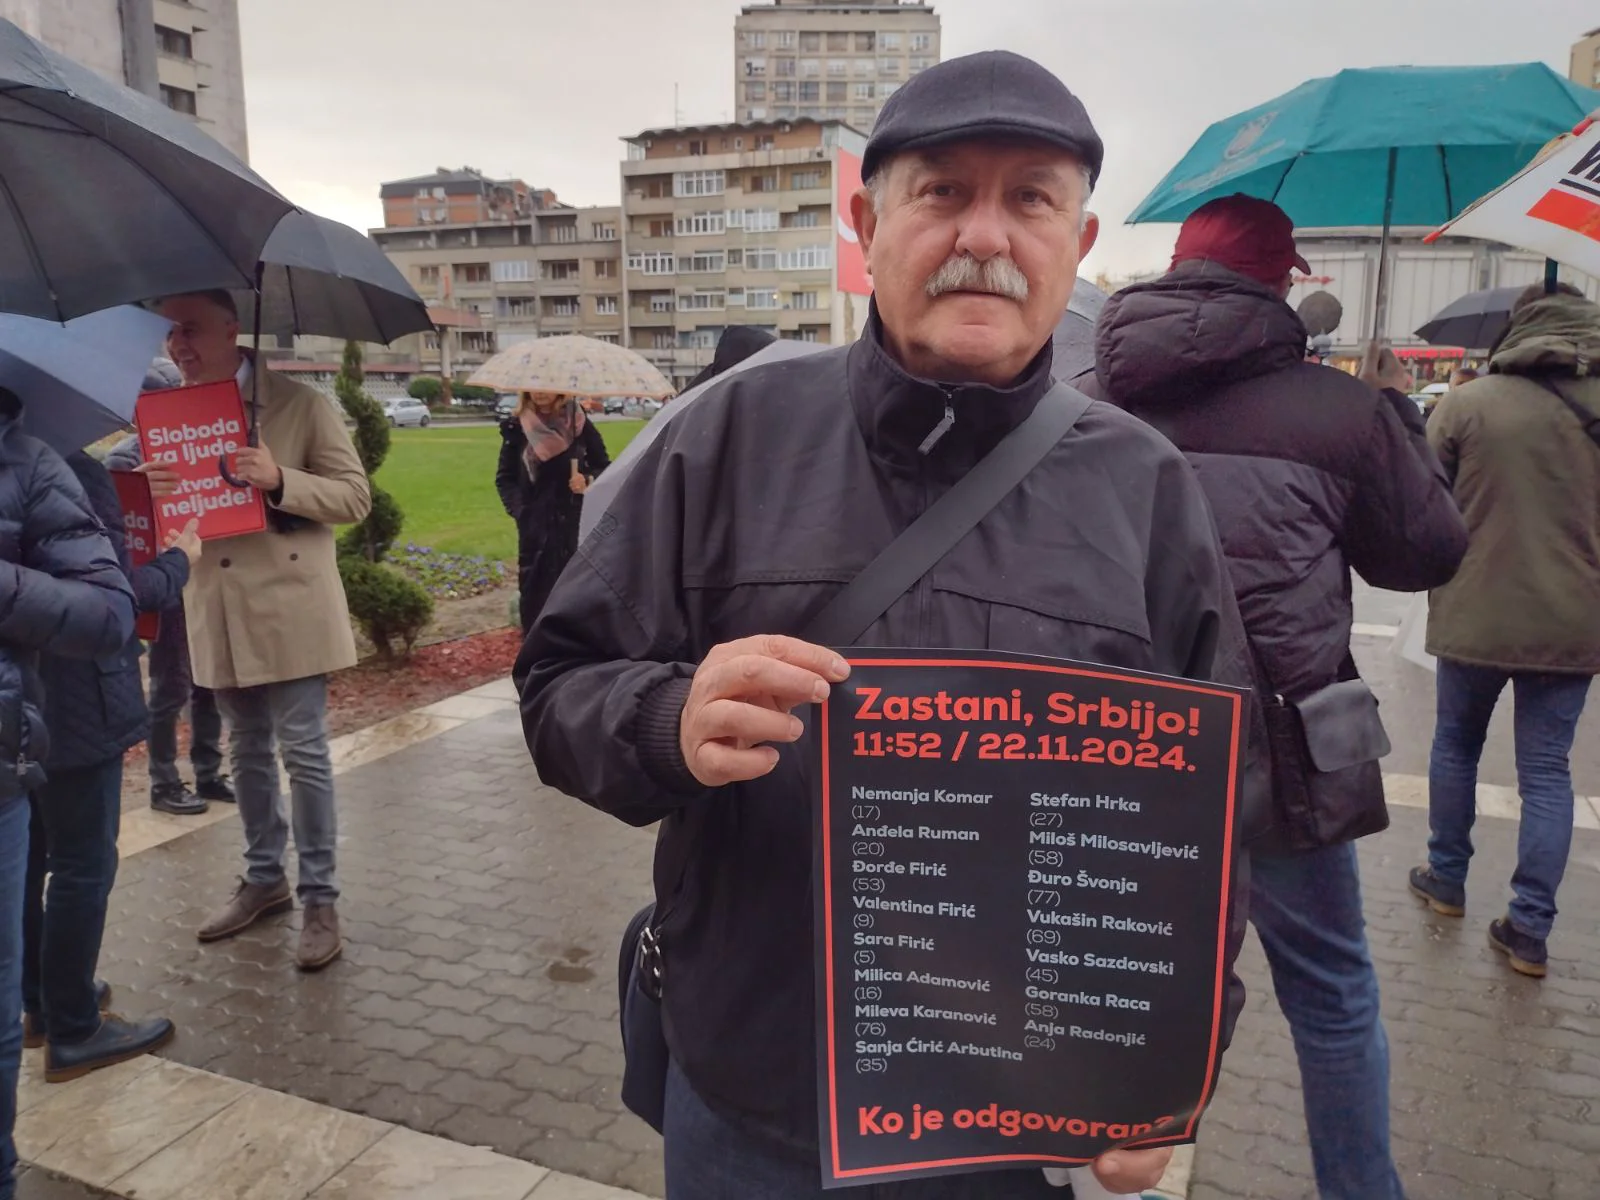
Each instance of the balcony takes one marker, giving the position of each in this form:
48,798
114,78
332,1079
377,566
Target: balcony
793,201
648,206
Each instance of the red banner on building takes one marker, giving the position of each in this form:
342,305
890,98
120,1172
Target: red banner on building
139,527
853,277
190,430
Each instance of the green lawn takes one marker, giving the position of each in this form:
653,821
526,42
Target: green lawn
443,478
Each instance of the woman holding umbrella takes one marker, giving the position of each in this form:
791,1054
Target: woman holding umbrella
550,453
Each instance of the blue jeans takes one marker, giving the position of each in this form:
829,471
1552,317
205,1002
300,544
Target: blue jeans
76,815
13,875
708,1158
1307,911
1546,720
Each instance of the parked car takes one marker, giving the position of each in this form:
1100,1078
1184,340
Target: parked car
406,411
505,406
615,405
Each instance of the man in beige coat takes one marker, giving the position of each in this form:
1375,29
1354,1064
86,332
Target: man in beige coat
268,622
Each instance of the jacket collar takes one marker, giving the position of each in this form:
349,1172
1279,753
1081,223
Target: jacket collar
897,411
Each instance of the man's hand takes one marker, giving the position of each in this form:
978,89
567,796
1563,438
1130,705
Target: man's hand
258,468
187,539
1123,1171
742,698
1380,368
163,479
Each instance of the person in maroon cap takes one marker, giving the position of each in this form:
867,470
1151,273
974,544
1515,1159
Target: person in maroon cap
1310,473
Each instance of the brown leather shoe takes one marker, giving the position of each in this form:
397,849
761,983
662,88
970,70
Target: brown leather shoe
251,902
320,943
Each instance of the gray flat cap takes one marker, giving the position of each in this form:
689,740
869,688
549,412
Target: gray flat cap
992,94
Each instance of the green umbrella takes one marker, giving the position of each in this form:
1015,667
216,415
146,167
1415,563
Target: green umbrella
1379,146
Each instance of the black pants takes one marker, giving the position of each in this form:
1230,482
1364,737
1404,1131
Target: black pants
171,688
538,568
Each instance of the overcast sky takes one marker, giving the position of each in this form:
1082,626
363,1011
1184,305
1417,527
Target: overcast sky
344,94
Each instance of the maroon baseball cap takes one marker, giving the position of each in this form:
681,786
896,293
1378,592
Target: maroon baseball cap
1253,237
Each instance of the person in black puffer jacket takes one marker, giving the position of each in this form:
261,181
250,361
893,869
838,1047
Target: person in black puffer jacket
1309,473
96,712
60,591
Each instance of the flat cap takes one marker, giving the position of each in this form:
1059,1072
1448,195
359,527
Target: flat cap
992,94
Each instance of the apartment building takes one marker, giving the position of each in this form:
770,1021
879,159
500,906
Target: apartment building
501,262
1585,60
740,224
829,60
186,52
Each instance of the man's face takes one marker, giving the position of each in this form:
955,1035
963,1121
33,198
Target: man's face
203,343
1005,222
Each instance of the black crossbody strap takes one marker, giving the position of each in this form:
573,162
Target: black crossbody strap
950,518
1590,421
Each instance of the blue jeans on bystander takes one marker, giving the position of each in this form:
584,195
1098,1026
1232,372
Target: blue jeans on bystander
13,874
1546,721
1307,911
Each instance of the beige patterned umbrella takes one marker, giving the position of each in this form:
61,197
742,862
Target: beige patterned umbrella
572,365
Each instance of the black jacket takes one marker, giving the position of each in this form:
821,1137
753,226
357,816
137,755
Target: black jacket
96,709
1309,471
544,500
61,589
749,512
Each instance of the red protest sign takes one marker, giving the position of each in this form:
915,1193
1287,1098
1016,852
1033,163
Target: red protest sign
139,526
188,430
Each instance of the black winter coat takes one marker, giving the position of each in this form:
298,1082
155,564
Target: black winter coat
745,517
1309,471
543,504
96,709
61,590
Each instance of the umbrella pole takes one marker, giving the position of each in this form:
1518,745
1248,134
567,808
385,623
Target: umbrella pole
1550,273
253,437
1380,308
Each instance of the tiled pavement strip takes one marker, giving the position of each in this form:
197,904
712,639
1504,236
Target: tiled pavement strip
476,1006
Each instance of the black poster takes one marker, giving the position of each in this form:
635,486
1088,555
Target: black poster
1022,916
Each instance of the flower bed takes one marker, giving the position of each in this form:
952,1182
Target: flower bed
450,576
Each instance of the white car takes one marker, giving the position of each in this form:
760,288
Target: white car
406,411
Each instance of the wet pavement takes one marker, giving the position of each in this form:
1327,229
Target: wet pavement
477,997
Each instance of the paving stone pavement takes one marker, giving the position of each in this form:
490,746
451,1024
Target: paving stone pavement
477,997
1496,1078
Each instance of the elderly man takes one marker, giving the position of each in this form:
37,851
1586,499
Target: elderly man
658,684
268,622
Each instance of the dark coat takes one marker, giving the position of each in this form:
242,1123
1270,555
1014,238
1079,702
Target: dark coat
96,709
751,510
61,589
1309,471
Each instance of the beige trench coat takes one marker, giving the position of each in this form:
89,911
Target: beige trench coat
269,607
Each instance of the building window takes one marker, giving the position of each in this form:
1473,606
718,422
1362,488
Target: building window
866,91
561,272
888,41
765,141
838,93
472,272
807,219
784,112
697,148
605,268
659,263
170,41
605,306
783,92
509,309
803,335
810,43
838,66
811,68
755,39
611,338
786,39
754,67
605,232
810,93
564,306
803,300
661,303
806,258
178,99
659,227
864,118
885,90
663,339
753,220
702,301
428,277
802,181
866,43
761,258
920,64
699,183
838,43
835,114
707,262
922,41
755,114
517,271
889,68
767,182
865,66
784,68
701,223
755,91
761,298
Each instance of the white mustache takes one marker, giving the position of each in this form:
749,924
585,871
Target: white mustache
963,273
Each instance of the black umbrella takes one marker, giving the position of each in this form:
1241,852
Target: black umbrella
1474,322
1074,336
109,197
321,277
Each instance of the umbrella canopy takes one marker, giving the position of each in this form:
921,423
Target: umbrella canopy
109,197
1322,151
1551,206
572,365
604,489
321,277
79,381
1073,356
1474,322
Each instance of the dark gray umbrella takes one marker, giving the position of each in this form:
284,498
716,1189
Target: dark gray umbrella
321,277
1074,336
1474,322
109,197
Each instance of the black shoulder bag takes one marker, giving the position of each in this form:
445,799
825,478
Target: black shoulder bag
841,621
